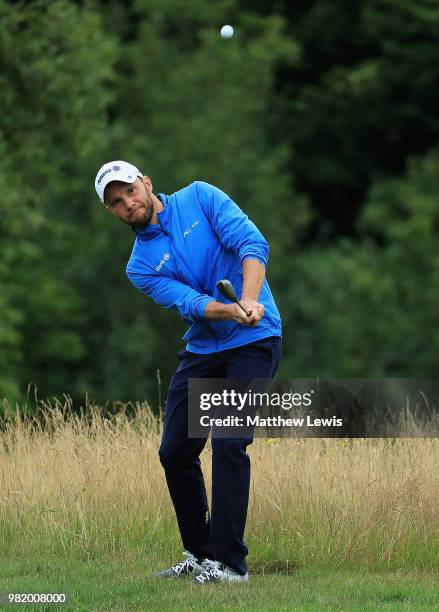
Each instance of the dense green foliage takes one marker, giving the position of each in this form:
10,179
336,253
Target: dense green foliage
320,119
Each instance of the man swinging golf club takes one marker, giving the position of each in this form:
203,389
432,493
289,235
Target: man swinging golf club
184,244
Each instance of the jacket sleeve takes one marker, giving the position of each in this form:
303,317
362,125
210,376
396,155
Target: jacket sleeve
171,293
233,227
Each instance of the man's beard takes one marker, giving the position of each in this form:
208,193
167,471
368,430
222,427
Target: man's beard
142,221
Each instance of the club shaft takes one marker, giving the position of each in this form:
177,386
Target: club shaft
242,308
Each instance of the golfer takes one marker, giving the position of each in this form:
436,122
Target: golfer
184,243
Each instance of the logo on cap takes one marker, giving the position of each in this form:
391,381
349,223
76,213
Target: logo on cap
116,168
103,174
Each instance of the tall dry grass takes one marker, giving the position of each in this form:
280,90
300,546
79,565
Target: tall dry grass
94,486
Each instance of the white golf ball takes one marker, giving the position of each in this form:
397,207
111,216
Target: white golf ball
226,31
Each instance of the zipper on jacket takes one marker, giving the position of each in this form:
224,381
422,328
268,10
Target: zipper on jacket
163,230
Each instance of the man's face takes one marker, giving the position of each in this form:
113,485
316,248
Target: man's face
132,203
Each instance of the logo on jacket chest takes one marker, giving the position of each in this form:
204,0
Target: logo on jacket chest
163,260
189,229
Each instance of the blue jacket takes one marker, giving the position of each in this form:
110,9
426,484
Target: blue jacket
202,236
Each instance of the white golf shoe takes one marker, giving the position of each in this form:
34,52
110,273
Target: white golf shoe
190,565
214,571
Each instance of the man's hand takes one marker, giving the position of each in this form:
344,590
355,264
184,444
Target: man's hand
250,304
217,311
255,309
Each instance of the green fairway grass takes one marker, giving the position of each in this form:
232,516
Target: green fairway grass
128,584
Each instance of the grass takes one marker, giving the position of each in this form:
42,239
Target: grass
333,524
126,584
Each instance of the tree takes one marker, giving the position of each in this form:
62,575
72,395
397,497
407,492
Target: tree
369,307
55,61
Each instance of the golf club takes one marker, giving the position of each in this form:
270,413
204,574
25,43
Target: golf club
225,287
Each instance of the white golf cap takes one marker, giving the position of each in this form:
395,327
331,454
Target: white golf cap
115,171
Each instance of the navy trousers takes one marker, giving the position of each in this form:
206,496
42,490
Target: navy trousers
218,535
